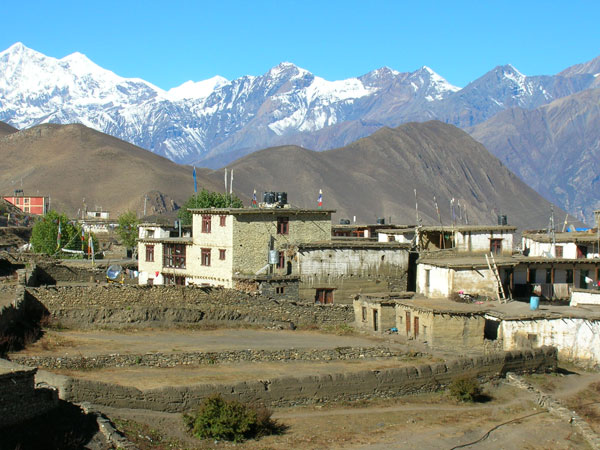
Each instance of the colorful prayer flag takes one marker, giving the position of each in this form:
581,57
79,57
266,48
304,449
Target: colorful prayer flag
254,202
320,201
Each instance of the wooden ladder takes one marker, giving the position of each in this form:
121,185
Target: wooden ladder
494,269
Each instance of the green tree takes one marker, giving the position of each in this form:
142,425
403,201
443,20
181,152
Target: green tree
207,199
128,229
44,235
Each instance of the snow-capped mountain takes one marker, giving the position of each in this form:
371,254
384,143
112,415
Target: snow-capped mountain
195,119
217,119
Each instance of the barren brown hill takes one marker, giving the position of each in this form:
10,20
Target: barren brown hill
71,163
375,177
555,148
6,129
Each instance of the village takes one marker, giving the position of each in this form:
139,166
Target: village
403,308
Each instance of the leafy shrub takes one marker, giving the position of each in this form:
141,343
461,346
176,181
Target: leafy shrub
231,420
465,388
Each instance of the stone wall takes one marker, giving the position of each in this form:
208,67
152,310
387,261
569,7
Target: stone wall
19,399
286,391
131,305
160,359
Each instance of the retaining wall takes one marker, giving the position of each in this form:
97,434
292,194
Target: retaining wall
289,391
132,305
19,399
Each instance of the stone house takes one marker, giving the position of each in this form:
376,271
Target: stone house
570,245
336,270
497,239
229,246
550,278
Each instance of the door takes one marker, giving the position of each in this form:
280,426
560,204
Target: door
324,296
416,327
375,320
407,322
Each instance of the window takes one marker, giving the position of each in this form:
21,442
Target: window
206,223
205,257
221,254
149,233
548,276
364,313
149,253
281,260
177,280
279,289
222,221
581,251
559,251
569,276
496,246
174,256
283,225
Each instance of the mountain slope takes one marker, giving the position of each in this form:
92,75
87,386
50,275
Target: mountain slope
375,177
555,148
6,129
71,163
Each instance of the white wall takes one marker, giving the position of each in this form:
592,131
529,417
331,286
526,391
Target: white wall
336,262
405,238
479,241
544,249
439,281
575,339
585,298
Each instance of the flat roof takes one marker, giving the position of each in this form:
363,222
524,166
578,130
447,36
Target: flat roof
389,226
11,368
513,310
241,211
464,228
168,240
477,260
573,236
355,243
466,261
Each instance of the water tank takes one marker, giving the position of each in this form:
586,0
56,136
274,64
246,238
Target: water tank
380,221
269,198
282,198
344,221
502,220
273,256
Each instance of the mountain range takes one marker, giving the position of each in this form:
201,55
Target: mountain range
215,121
373,177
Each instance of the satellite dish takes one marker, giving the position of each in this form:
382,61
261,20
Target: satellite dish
113,272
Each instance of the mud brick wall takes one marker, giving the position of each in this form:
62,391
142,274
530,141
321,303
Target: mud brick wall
19,400
289,391
130,305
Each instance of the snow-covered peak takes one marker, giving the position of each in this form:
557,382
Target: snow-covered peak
438,81
197,89
285,68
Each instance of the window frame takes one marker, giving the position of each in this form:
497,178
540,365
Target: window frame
205,256
496,246
222,254
174,255
280,260
206,223
283,225
222,220
149,252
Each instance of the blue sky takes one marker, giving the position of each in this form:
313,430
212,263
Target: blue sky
170,42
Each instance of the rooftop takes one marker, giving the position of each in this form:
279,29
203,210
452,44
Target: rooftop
250,211
573,236
513,310
478,261
168,240
352,243
466,228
